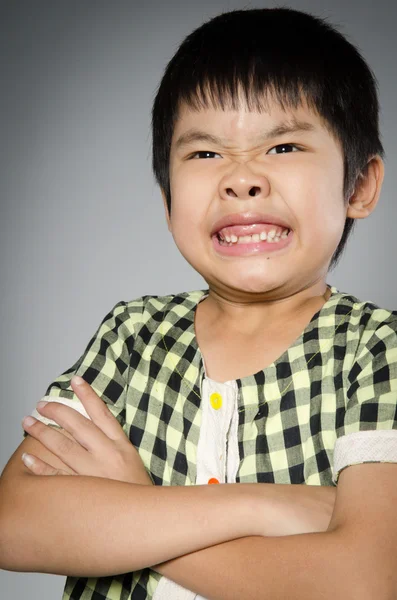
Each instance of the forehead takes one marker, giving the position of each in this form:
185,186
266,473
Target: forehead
243,125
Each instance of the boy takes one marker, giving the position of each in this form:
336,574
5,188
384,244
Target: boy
266,148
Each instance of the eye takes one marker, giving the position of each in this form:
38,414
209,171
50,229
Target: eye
284,149
204,154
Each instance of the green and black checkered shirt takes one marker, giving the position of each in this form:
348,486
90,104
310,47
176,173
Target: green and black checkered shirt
338,378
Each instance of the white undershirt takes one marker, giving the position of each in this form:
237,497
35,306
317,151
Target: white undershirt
217,456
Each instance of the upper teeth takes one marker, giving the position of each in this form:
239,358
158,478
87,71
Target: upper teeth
256,237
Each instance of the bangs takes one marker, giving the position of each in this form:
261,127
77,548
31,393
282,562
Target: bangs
229,86
225,63
254,95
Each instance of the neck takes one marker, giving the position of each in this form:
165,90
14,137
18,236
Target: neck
264,315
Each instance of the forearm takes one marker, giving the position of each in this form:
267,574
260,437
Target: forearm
89,526
290,509
302,567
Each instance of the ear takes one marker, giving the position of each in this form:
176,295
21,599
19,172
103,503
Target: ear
167,213
367,190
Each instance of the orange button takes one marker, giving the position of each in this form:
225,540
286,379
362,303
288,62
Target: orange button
213,480
216,401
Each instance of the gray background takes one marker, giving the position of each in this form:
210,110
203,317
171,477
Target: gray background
81,223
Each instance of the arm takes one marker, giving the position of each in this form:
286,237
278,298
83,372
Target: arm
336,564
77,525
355,558
98,447
98,511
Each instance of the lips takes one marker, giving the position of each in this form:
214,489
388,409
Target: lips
245,219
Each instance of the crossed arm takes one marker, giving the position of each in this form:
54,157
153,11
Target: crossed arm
210,539
353,559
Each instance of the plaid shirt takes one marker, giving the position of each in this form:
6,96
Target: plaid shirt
338,378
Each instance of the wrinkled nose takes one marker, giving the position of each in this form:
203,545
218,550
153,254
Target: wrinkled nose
244,185
254,191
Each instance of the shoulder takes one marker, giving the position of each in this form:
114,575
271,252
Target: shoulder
150,310
366,314
365,323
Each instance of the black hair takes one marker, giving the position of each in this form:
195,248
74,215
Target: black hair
287,55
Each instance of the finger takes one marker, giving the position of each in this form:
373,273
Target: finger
83,430
97,409
39,467
67,450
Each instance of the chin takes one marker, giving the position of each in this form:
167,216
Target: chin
254,280
252,287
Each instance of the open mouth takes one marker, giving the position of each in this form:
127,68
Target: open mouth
249,245
255,233
271,238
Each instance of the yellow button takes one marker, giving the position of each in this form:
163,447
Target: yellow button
216,401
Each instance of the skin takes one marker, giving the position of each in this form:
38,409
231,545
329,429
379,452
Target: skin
109,469
305,187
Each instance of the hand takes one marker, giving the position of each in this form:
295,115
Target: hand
296,509
97,447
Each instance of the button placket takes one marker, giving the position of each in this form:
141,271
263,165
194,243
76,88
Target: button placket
220,416
219,405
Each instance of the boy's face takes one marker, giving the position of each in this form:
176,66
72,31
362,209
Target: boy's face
245,177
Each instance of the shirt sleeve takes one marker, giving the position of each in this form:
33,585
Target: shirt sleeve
104,365
367,433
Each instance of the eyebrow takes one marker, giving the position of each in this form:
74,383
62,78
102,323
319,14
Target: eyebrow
196,135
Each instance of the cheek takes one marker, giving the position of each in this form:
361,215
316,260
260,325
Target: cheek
186,217
191,198
322,191
318,207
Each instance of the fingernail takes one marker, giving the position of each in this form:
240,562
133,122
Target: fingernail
28,421
27,459
41,404
77,380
